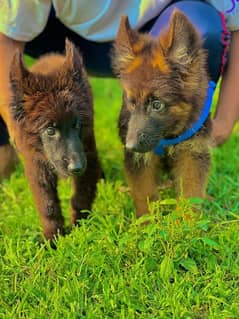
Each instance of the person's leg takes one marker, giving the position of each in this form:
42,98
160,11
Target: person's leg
96,55
8,158
210,23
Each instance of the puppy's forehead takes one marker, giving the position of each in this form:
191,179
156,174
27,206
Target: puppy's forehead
136,94
150,58
144,71
144,84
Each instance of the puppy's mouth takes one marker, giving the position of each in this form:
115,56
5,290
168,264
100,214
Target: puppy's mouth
65,170
60,170
141,146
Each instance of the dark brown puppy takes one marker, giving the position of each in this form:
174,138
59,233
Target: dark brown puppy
52,115
165,85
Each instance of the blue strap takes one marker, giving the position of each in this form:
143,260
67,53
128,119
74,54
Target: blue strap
159,149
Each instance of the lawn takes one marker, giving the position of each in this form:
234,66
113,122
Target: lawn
114,266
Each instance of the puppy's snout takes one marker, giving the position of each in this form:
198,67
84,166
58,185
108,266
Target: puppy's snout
76,168
134,143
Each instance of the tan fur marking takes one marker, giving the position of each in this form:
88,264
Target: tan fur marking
135,63
144,94
182,109
159,61
128,92
138,46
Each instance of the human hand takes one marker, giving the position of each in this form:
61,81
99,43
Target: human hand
221,131
228,104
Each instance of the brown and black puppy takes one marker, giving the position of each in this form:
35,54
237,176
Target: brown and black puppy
165,85
52,117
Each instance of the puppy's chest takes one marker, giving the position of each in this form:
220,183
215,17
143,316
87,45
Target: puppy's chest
175,155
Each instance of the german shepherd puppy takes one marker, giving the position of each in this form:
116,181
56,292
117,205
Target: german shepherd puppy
165,85
52,115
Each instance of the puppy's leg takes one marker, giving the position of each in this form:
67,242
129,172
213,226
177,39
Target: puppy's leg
43,183
84,186
190,170
141,176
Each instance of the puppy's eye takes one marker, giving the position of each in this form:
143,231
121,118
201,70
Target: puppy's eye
157,105
51,130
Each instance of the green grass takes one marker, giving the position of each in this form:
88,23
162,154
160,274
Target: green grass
115,266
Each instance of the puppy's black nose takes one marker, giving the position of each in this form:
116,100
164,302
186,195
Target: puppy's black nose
75,168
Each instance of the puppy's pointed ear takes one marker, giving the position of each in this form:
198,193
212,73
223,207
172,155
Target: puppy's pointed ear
20,80
123,47
181,40
18,72
123,38
73,60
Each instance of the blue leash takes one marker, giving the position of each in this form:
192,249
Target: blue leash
159,149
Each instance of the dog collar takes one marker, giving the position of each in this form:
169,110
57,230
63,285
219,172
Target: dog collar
159,149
